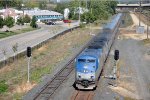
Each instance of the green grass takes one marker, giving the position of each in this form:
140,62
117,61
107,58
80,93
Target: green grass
6,34
3,86
39,72
19,31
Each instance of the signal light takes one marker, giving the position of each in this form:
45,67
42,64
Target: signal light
28,51
116,55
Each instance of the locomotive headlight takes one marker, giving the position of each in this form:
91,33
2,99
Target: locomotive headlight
85,71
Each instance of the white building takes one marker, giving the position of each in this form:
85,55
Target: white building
44,15
41,15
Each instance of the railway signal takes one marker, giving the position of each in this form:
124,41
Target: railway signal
116,55
29,60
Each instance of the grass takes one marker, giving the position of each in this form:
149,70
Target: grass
6,34
44,61
19,31
3,86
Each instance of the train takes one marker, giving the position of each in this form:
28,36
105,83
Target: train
90,62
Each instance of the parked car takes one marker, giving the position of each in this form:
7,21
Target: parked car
67,21
50,23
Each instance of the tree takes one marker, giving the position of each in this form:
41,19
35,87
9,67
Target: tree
9,22
42,4
20,21
33,22
27,19
1,22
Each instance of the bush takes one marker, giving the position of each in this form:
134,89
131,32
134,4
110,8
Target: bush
3,87
82,25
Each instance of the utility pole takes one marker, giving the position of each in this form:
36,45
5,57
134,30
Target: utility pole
86,5
148,19
79,10
140,13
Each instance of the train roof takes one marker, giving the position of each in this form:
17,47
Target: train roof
91,52
113,22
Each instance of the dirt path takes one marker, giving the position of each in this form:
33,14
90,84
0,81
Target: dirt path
136,21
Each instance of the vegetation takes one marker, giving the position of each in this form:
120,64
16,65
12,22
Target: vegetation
10,33
3,86
9,22
96,9
27,19
10,3
20,21
42,4
1,22
33,22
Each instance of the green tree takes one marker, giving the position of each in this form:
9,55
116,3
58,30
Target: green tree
20,21
1,22
33,22
27,19
9,22
10,3
43,5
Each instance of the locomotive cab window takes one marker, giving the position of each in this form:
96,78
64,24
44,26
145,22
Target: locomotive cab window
90,60
81,60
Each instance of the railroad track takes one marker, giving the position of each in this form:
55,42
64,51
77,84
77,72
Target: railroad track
83,95
49,89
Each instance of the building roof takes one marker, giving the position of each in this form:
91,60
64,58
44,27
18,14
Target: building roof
37,12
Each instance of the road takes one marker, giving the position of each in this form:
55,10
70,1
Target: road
31,38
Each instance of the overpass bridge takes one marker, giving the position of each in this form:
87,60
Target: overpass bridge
147,5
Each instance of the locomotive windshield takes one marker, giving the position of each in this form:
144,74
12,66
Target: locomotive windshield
90,60
86,60
81,60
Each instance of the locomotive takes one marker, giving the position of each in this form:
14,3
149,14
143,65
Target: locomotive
89,63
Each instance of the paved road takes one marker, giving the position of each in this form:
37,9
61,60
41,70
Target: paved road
31,38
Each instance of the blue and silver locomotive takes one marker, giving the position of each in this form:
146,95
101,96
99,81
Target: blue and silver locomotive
89,63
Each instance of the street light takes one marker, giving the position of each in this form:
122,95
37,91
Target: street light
22,5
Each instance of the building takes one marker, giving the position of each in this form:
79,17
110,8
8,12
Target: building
11,12
44,15
41,15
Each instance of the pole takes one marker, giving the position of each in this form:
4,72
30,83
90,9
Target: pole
29,59
140,13
86,4
79,10
147,30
